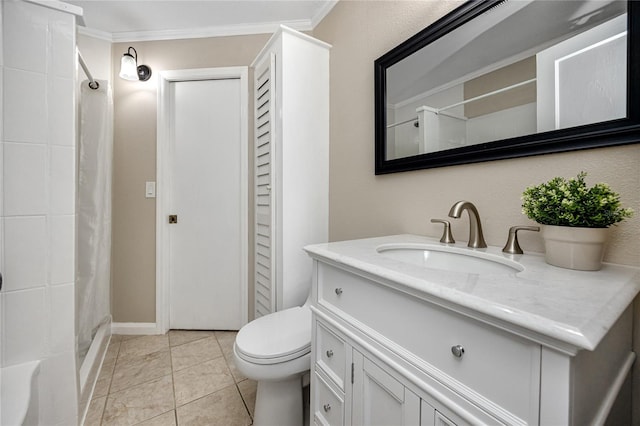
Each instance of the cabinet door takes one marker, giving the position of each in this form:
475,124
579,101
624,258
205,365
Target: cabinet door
427,415
432,417
264,238
379,398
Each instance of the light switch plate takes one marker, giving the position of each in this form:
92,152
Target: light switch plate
150,190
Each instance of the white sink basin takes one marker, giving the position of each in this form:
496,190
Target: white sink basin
450,258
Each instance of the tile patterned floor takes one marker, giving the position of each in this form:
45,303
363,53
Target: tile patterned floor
181,378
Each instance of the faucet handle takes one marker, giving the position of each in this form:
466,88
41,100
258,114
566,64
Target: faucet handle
512,246
447,236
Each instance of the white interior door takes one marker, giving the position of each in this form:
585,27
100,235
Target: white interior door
206,264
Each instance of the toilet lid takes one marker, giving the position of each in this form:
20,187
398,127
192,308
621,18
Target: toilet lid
277,337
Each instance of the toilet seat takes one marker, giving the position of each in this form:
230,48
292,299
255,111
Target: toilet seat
277,337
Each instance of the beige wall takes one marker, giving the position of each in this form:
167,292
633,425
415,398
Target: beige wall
134,238
502,77
97,54
361,204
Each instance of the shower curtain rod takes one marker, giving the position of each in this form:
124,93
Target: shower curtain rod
486,95
92,82
416,118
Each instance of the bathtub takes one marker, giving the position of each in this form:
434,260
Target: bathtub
19,395
90,368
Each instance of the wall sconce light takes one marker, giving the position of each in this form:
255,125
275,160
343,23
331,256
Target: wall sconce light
129,68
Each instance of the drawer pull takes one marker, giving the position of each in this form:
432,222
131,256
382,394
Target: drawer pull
457,351
326,407
329,353
338,291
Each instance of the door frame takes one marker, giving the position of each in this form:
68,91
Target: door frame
163,180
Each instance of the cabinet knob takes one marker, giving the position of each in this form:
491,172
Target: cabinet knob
326,407
329,353
457,351
338,291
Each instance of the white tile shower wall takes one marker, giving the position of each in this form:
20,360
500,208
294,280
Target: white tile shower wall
37,206
61,327
25,178
62,177
61,57
57,396
61,102
26,36
25,258
61,254
1,184
23,323
26,92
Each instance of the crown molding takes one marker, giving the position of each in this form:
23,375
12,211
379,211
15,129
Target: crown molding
218,31
322,13
90,32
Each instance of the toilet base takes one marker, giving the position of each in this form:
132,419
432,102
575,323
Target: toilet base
279,403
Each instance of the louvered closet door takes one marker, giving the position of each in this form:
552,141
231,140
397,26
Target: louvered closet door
265,292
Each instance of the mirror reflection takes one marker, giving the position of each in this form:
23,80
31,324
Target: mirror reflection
521,68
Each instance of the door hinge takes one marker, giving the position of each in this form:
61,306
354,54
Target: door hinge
352,372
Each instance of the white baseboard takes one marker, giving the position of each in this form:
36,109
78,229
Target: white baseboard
134,328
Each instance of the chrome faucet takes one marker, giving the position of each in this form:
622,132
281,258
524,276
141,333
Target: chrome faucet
476,239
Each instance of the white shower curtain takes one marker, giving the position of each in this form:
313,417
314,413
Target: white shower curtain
93,208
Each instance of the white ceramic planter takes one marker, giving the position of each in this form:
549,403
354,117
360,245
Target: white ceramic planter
574,247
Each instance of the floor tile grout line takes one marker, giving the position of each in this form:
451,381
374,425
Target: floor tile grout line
201,361
244,402
104,406
154,417
236,382
119,358
207,395
228,360
115,362
190,341
148,380
173,380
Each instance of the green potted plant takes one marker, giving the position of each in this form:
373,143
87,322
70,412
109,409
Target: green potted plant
575,219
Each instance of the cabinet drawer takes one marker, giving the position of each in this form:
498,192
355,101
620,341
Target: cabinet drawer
328,405
498,365
330,354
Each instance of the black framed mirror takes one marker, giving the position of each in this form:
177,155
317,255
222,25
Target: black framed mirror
497,79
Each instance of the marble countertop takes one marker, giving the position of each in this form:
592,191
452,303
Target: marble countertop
573,307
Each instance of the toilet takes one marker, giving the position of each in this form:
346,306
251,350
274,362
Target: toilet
275,350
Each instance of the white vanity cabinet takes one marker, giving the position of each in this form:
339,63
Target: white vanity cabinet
380,398
375,396
389,347
291,165
370,383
